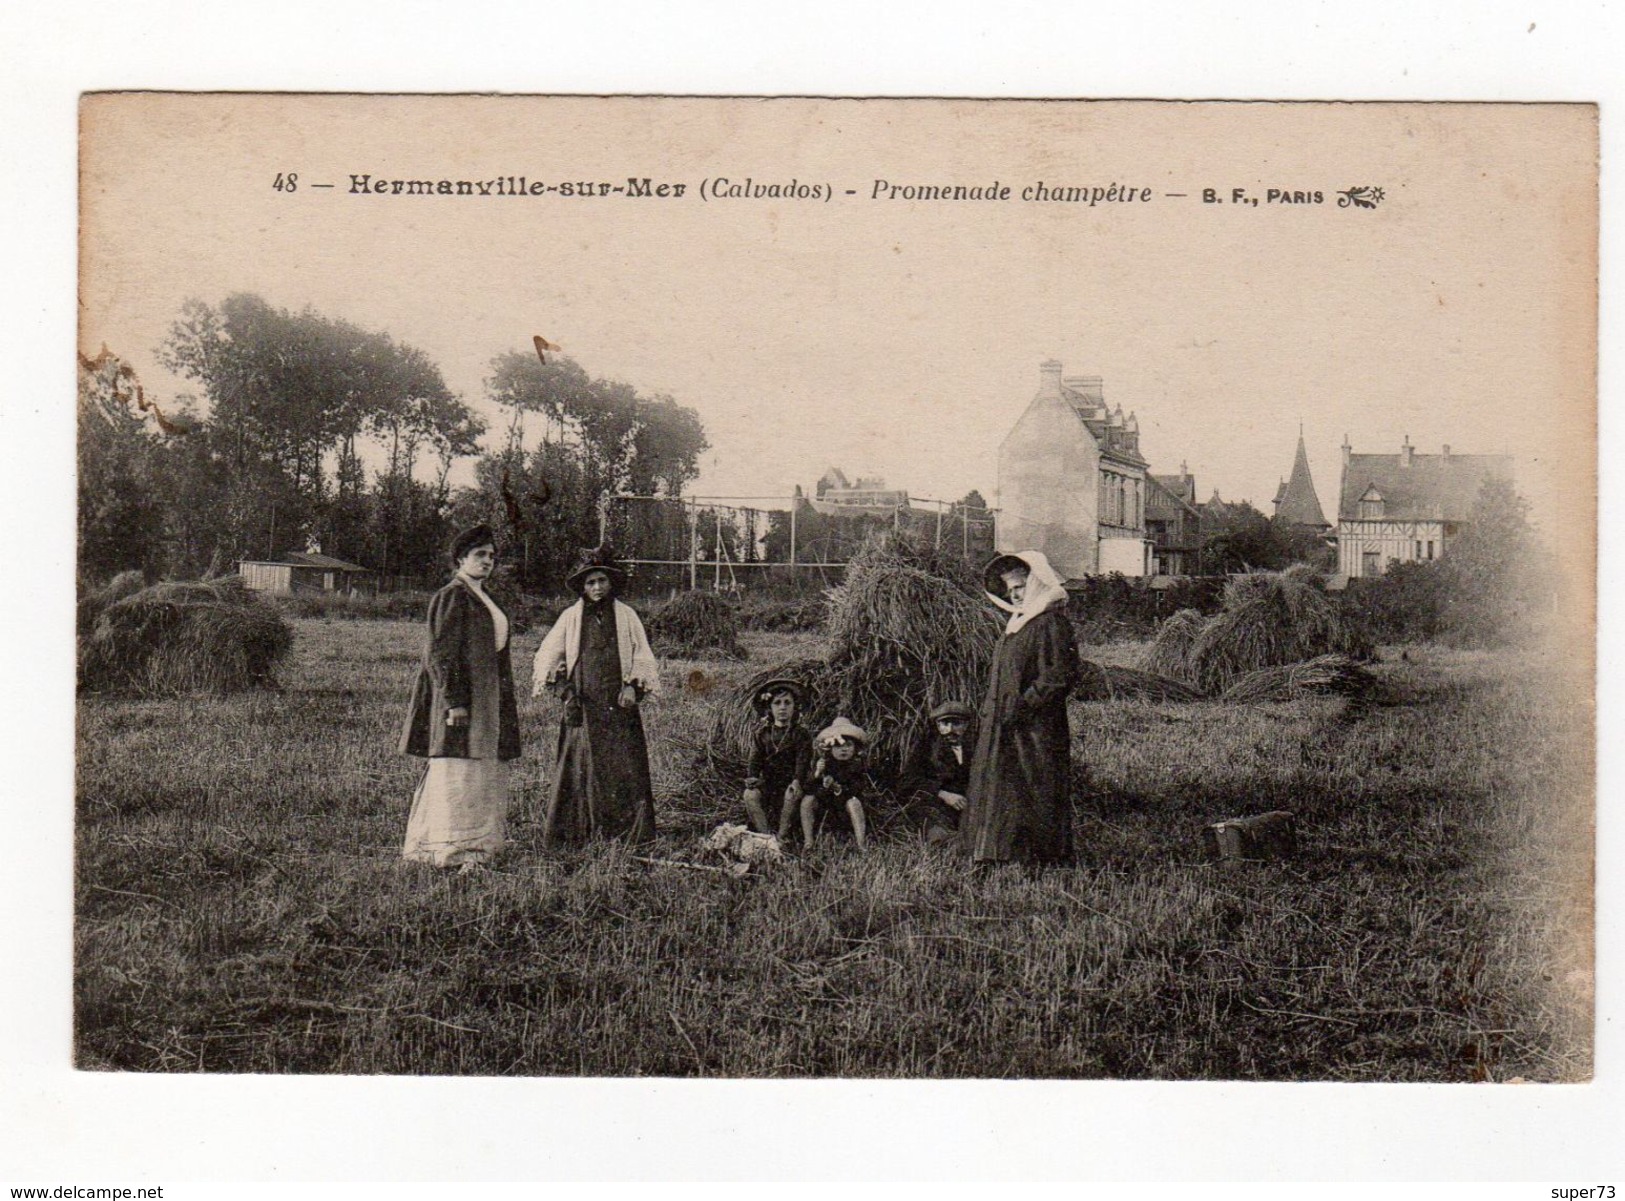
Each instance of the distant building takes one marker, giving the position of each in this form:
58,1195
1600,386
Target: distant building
837,496
1406,507
302,571
1296,503
1173,523
1072,482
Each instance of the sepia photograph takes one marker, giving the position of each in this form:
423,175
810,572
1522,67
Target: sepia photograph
923,589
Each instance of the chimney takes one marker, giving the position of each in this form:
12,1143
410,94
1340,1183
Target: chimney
1348,450
1406,451
1049,377
1090,387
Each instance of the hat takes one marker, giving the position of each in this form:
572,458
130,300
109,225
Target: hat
842,728
596,558
471,539
951,709
764,694
993,573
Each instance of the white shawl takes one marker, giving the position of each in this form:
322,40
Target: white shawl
1044,590
562,646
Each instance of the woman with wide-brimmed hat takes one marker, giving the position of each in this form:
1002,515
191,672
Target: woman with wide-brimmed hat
1019,807
598,660
463,717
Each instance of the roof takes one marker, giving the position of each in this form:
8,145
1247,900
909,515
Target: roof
1432,488
325,562
1170,494
1296,503
1117,435
1181,486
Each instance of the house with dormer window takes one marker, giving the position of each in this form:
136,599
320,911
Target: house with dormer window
1072,481
1407,507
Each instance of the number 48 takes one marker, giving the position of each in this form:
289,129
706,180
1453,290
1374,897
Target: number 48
286,183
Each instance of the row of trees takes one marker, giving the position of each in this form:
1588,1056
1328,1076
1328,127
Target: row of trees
316,430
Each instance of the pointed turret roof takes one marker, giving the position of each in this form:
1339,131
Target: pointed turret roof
1297,503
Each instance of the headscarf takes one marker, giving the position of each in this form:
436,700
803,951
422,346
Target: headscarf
1044,588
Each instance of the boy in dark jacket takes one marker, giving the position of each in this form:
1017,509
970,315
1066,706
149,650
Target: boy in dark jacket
939,773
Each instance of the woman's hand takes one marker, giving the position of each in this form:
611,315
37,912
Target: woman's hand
457,717
629,696
951,799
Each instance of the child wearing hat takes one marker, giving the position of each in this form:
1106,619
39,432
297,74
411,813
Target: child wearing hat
838,782
781,753
938,775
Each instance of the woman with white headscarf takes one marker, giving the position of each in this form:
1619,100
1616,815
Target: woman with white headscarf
1019,807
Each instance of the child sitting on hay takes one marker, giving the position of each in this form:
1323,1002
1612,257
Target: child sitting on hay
781,752
938,774
838,782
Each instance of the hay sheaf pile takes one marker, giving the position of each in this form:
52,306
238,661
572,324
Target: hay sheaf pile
696,625
1279,635
906,631
173,639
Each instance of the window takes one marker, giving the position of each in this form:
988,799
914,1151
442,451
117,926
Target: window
1430,549
1418,548
1371,562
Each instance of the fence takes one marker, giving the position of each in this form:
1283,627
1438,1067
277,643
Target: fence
725,541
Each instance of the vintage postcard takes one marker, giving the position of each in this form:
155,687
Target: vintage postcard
781,588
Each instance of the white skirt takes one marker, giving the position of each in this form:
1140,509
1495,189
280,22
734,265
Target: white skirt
459,812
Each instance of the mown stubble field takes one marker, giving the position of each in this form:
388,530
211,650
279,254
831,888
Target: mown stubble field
241,907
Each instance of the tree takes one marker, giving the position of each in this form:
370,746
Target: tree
1495,569
599,437
289,393
121,515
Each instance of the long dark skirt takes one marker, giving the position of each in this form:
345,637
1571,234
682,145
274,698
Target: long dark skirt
601,784
1019,807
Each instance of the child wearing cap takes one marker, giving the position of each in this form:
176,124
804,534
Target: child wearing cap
938,773
781,753
838,782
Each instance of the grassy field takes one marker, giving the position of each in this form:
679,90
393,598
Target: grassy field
241,906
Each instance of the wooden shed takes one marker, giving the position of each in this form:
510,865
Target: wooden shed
303,571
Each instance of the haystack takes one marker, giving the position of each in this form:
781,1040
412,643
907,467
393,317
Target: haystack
1111,682
1326,674
1269,620
213,636
902,639
1169,653
696,625
93,600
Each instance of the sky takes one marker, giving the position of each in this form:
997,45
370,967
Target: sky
903,338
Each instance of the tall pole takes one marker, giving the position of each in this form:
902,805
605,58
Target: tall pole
716,582
938,542
793,507
693,546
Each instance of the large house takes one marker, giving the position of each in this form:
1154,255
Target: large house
1173,523
837,496
1406,507
1072,482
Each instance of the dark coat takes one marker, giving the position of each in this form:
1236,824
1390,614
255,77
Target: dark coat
934,768
1019,806
779,758
462,669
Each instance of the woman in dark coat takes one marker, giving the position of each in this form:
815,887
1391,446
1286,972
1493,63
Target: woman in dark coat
1019,807
463,718
597,658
